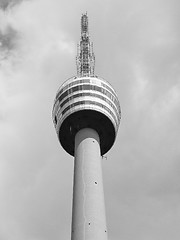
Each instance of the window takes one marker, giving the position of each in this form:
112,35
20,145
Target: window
89,87
55,119
91,103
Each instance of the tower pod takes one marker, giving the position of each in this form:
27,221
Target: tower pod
86,102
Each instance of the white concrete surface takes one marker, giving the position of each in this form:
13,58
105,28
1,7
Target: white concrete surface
88,214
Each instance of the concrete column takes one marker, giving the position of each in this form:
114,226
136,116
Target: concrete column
88,213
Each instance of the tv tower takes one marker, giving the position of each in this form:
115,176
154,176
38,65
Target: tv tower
86,116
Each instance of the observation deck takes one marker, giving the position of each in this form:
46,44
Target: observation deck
86,102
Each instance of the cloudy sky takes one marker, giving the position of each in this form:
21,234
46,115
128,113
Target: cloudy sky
137,47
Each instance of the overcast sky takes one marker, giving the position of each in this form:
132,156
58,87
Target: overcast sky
137,47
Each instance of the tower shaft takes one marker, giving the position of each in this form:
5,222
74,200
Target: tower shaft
88,216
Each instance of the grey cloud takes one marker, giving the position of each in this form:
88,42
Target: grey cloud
5,4
8,39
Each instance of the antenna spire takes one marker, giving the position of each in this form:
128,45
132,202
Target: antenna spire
85,59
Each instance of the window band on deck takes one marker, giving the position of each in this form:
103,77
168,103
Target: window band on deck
90,103
89,87
81,81
93,95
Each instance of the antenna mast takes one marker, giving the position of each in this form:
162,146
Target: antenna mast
85,59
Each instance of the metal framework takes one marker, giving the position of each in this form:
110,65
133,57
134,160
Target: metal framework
85,59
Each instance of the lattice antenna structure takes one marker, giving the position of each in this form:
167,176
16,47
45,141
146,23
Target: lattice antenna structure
85,59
